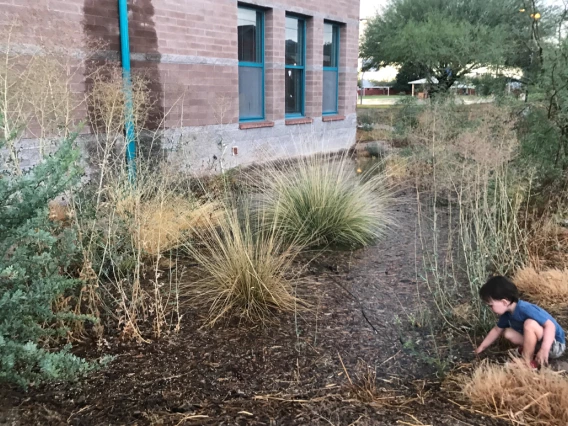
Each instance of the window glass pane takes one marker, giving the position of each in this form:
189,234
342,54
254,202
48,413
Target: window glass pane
294,81
250,92
294,41
329,45
329,91
249,34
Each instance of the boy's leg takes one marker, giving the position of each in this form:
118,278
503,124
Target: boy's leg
514,337
533,333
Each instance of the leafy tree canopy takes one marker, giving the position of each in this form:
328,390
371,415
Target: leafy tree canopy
450,38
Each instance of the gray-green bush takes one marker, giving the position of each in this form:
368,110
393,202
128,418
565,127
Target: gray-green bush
36,259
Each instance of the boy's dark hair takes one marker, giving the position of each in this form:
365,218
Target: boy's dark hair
499,288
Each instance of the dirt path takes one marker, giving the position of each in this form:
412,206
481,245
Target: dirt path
289,373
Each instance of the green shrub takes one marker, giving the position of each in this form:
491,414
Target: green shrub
36,256
541,145
320,200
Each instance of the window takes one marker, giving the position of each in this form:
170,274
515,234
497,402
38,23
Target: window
251,64
330,68
295,66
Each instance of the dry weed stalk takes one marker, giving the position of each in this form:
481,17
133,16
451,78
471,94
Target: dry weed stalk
547,288
132,225
364,385
523,395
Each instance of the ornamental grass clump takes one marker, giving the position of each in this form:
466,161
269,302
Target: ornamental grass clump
320,201
246,270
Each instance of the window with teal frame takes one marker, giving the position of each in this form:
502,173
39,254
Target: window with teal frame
295,72
330,69
251,63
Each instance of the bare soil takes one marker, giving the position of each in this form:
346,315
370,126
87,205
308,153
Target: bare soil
301,369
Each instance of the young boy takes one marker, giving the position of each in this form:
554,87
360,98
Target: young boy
523,324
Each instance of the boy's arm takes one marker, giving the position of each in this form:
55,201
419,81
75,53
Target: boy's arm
489,339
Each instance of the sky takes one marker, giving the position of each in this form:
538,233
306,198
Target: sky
370,7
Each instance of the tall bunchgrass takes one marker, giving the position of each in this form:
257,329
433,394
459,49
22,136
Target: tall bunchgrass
320,200
246,268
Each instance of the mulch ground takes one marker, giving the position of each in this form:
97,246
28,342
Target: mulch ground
310,368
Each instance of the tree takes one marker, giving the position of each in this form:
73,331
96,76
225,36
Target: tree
449,38
545,130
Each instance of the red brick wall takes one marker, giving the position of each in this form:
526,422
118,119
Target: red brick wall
189,49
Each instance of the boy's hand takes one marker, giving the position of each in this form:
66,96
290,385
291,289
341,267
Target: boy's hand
479,350
542,357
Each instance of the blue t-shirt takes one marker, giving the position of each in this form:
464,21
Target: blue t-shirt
524,311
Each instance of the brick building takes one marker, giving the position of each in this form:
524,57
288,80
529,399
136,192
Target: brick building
262,76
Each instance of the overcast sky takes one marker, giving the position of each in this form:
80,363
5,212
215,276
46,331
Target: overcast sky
370,7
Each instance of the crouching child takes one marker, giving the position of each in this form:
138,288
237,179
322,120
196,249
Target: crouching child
533,330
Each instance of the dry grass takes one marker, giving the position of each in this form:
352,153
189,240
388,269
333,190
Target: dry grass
161,223
397,168
548,244
547,288
364,385
247,269
518,393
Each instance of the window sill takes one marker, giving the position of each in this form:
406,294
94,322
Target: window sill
303,120
256,125
333,118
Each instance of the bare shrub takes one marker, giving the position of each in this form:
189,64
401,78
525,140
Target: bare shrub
515,392
36,90
547,288
134,216
467,167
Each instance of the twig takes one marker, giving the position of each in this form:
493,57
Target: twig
344,369
197,416
526,407
356,421
411,424
388,359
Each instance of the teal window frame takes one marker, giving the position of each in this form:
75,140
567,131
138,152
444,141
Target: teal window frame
337,40
299,67
260,64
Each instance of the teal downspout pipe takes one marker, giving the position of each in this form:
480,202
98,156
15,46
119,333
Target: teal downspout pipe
127,85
